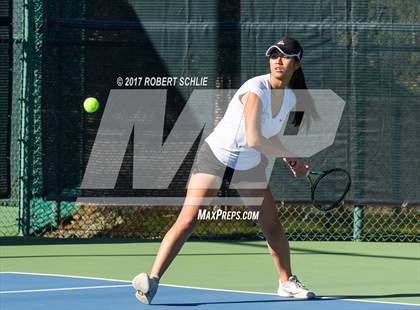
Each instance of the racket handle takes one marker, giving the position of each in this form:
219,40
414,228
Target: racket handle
291,162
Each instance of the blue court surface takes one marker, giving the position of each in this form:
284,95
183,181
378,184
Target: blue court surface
24,291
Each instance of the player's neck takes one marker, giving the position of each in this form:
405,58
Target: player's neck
277,83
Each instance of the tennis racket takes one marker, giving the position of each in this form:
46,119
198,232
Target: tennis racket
328,187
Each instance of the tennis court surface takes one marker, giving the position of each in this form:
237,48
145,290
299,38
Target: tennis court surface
42,291
208,275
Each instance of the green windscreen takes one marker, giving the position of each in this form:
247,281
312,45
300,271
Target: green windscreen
5,83
93,43
367,52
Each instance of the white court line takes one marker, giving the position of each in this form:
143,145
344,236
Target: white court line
64,276
64,289
205,288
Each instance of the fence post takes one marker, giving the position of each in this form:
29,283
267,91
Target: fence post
358,222
24,203
30,175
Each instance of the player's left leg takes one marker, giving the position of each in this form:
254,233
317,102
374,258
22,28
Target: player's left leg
278,246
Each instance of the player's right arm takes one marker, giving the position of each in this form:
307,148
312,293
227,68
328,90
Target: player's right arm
271,146
252,114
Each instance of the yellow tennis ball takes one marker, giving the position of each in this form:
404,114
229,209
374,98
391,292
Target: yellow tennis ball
90,104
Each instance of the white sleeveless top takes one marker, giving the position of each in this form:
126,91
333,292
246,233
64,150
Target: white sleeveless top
228,139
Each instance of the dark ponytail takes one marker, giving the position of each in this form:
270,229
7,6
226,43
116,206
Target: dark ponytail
304,101
298,80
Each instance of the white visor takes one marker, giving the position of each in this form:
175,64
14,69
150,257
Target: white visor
268,52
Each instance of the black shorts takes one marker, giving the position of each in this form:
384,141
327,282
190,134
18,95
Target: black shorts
207,162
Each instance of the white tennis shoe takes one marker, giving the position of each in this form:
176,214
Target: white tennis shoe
146,287
294,288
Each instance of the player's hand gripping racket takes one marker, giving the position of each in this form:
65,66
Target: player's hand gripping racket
328,187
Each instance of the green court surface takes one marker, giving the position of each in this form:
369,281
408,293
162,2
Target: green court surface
371,271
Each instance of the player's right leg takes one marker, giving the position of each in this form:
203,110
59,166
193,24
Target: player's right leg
201,187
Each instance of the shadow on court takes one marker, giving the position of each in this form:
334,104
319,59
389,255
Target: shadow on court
295,250
239,302
372,296
128,255
310,251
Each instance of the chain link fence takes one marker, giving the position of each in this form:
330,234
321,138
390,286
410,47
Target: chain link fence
301,222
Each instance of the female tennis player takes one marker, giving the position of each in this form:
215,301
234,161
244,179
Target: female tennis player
237,148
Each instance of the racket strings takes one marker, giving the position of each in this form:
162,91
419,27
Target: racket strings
330,189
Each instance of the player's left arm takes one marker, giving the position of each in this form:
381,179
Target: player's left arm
296,165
